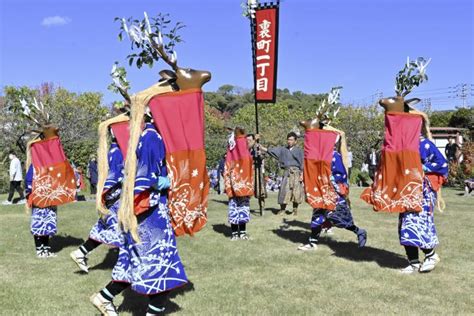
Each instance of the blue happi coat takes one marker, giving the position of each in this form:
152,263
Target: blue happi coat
153,265
418,229
341,217
43,220
106,230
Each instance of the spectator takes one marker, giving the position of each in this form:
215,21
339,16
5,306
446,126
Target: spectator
372,161
92,174
220,175
349,162
451,150
16,176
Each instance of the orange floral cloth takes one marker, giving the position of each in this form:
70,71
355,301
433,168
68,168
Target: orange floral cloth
238,170
398,182
318,154
179,117
54,181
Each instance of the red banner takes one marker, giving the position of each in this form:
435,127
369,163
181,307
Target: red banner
265,54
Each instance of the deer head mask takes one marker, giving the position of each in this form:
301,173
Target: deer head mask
412,75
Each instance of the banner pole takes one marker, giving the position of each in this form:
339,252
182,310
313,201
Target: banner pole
257,162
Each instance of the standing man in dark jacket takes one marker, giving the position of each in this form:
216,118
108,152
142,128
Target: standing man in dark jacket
92,174
451,149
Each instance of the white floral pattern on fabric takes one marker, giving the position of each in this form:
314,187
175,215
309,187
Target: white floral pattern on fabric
327,197
239,210
418,229
184,194
153,265
234,180
43,221
43,185
410,195
106,230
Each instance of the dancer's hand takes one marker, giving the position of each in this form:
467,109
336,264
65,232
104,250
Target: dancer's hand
163,183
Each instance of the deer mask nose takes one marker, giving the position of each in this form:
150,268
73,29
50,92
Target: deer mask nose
206,76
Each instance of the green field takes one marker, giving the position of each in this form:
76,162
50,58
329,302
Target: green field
265,276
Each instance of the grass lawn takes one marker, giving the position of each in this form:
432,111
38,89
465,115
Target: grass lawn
264,276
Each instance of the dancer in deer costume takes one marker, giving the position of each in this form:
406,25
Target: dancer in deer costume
411,172
50,180
325,175
238,182
148,260
110,164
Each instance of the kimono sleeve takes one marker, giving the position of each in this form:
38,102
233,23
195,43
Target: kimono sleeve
339,175
29,181
434,164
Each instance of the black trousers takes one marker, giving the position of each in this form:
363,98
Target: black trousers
15,185
372,170
93,188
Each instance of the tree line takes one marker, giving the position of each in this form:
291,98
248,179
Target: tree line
78,115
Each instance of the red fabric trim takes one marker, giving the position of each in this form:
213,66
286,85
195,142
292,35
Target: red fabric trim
47,152
121,132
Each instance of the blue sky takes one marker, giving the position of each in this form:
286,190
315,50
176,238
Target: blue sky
359,44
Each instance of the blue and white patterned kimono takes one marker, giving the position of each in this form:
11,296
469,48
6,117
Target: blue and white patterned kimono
106,230
418,229
153,265
239,210
43,220
341,217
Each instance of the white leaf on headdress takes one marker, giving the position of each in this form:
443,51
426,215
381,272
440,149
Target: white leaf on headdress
421,64
114,69
333,96
36,105
147,22
174,57
117,82
125,28
26,108
159,39
336,111
136,34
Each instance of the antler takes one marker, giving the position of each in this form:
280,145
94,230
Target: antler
406,81
329,104
38,110
157,44
120,83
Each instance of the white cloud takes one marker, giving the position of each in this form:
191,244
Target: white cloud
55,21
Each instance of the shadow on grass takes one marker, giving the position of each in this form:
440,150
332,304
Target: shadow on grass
222,229
136,304
109,261
273,210
59,242
295,236
225,202
349,250
295,223
345,249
